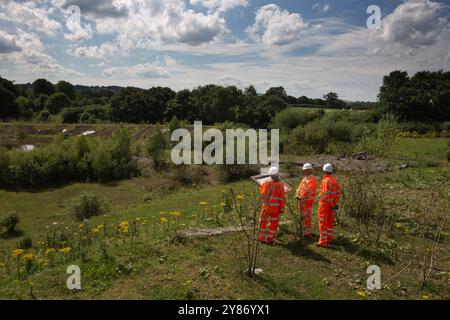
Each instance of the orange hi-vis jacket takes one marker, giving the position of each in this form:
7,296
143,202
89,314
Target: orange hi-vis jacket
330,190
272,195
307,188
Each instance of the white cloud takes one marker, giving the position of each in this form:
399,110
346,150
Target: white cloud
96,8
275,26
80,33
415,23
105,50
32,59
326,7
8,43
220,5
156,69
29,15
154,23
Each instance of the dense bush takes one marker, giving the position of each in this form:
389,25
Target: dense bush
72,159
291,118
25,243
156,145
233,172
8,223
56,102
86,205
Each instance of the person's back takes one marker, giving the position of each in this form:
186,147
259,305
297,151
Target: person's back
330,194
272,196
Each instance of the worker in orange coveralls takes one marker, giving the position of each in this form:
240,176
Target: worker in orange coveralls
330,193
306,193
273,203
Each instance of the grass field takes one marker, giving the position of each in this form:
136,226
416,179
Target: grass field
153,263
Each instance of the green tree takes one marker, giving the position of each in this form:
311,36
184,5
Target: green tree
66,88
8,105
56,102
42,86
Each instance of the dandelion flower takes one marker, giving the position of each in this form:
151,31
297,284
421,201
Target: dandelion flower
49,251
240,197
28,256
203,203
175,214
361,293
17,252
163,220
65,250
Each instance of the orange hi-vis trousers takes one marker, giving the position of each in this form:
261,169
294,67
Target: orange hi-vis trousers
326,223
305,209
268,225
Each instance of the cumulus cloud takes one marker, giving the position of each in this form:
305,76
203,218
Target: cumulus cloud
27,14
8,43
81,33
275,26
32,58
415,23
220,5
96,8
152,22
105,50
157,69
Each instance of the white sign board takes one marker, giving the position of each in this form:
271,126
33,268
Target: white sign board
261,178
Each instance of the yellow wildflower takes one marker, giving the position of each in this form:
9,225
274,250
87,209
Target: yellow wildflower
163,220
28,256
65,250
203,203
43,262
49,251
239,197
95,230
17,252
175,214
361,293
425,297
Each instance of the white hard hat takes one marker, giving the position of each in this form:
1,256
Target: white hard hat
328,168
307,166
273,171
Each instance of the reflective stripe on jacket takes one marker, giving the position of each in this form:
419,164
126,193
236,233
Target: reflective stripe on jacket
272,195
307,188
330,190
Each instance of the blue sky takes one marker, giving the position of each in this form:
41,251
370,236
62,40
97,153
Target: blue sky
310,47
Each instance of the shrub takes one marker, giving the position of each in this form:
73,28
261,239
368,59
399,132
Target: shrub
25,243
174,124
9,223
86,205
289,119
70,115
340,131
44,115
316,136
233,172
156,145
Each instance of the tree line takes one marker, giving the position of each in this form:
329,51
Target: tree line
422,97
